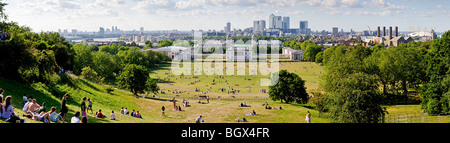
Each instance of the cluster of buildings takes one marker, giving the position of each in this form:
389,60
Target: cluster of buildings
235,52
391,39
279,26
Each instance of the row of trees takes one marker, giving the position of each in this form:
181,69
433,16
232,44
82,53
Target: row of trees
358,80
31,57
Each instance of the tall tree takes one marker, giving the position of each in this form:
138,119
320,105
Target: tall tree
134,78
435,93
355,100
290,87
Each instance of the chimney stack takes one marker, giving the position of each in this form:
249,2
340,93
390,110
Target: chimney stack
390,32
384,31
378,32
396,31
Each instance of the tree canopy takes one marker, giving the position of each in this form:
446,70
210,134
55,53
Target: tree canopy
290,87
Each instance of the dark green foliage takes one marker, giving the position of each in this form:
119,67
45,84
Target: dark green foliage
290,87
134,78
355,100
435,93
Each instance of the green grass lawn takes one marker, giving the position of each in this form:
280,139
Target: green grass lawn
217,111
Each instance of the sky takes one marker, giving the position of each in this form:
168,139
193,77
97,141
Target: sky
89,15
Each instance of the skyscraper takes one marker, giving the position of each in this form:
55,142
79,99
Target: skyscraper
101,31
335,31
112,29
262,25
142,29
256,26
304,27
275,22
286,25
271,21
228,28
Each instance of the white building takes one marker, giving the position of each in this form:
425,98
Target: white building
293,54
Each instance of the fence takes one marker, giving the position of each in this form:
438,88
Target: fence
416,118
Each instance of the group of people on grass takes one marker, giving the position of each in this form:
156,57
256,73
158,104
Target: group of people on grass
34,111
132,114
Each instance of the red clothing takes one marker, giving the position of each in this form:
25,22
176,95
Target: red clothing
99,114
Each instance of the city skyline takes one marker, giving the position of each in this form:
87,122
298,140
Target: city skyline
186,15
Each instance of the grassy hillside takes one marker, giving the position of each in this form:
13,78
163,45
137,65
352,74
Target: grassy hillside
217,111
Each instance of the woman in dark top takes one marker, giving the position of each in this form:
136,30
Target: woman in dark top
64,109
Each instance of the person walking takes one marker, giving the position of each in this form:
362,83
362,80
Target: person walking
308,117
90,106
83,107
163,108
64,109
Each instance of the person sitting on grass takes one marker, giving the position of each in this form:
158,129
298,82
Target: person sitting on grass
8,112
32,109
76,118
138,115
99,114
43,117
122,111
198,119
54,117
133,114
84,119
113,116
125,111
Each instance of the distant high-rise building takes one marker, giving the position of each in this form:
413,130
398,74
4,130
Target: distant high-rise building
228,28
101,31
275,22
286,24
262,25
304,27
271,21
256,26
74,32
142,29
115,29
335,31
112,29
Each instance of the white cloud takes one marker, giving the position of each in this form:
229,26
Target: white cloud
385,5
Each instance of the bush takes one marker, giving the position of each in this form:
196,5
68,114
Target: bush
90,74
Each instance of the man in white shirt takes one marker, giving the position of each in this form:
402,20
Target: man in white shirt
198,119
76,119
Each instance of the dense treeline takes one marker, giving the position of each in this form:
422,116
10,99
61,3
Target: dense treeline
358,80
39,57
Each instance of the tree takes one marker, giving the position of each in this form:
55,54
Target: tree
290,87
435,92
90,74
355,100
82,58
106,65
319,101
319,57
134,78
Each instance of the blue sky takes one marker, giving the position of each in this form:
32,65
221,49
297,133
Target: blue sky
89,15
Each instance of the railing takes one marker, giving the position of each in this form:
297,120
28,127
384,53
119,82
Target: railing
416,118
